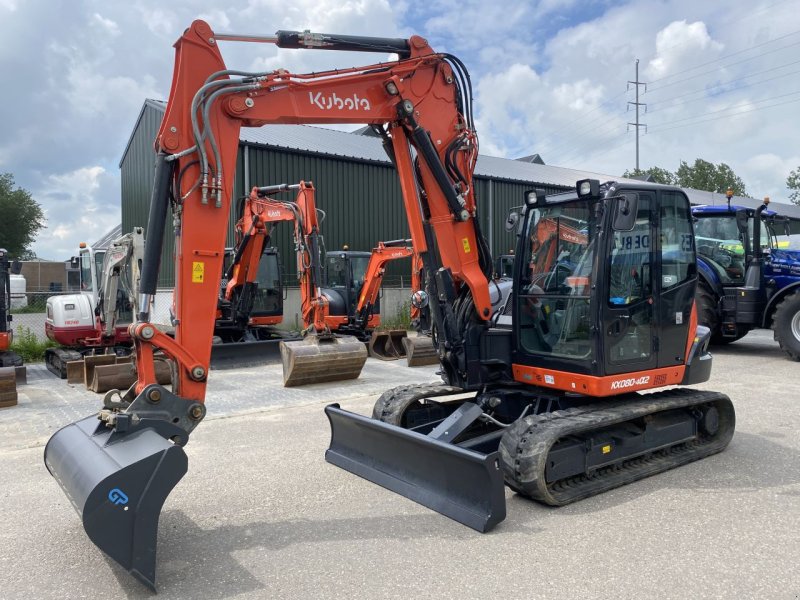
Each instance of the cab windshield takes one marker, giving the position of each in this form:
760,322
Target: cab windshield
554,298
86,269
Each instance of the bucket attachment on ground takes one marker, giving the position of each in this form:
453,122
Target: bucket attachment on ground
118,478
420,351
250,353
316,359
464,485
387,344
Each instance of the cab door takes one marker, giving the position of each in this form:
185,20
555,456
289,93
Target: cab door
628,321
677,276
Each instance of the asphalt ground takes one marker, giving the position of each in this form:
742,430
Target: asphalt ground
260,514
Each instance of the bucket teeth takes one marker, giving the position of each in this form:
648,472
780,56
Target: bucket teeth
316,360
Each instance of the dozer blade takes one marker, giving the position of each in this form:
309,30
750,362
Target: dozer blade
388,345
245,354
461,484
118,484
420,351
317,359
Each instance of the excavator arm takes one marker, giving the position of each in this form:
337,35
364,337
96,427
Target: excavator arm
123,259
383,253
118,470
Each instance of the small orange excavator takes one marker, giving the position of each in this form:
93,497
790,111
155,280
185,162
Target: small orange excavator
339,316
542,376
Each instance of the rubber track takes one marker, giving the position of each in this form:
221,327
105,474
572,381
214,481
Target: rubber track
525,446
391,405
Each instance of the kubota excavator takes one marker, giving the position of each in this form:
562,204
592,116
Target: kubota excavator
553,366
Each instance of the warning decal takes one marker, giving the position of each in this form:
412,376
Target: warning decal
198,270
465,243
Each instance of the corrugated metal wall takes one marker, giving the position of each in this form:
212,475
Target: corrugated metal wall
361,200
137,170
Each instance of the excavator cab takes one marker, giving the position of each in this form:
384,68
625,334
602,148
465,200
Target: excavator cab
602,306
345,271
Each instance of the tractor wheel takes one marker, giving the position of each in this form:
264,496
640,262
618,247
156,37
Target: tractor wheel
707,309
786,325
707,315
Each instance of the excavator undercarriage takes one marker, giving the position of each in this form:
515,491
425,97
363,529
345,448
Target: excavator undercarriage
454,456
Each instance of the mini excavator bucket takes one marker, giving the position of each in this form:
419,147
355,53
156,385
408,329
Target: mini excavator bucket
317,358
117,483
464,485
420,351
387,344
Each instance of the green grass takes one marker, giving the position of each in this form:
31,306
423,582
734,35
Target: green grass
37,303
401,320
28,346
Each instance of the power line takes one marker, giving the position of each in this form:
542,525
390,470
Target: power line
727,83
713,112
671,83
576,125
754,109
726,56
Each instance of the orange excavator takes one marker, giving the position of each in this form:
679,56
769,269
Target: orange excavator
541,387
342,300
8,358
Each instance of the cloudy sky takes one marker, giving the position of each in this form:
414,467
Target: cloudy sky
549,77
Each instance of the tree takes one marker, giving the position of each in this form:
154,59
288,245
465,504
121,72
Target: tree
703,175
21,218
656,174
793,183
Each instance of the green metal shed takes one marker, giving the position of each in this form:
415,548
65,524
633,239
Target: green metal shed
356,185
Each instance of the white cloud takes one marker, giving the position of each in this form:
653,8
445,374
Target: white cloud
677,47
549,77
108,26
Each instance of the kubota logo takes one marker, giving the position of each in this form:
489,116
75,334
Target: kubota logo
273,213
334,101
117,496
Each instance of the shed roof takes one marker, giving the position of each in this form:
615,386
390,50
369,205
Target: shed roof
105,241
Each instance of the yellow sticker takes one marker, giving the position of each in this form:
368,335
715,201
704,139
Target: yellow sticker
606,449
198,270
465,243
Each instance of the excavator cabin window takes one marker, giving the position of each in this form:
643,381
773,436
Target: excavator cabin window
554,298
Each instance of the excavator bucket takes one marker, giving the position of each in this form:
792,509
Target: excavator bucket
316,359
419,351
464,485
388,344
118,484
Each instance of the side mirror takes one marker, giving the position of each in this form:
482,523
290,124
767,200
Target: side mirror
511,221
16,267
626,209
742,220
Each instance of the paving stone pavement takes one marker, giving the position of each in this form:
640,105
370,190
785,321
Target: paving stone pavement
48,403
